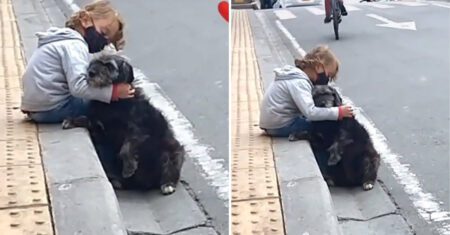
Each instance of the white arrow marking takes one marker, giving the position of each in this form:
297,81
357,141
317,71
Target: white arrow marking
391,24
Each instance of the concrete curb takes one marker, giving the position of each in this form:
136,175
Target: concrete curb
82,199
306,199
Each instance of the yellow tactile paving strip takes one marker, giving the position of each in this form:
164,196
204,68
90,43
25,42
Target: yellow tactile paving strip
255,200
24,207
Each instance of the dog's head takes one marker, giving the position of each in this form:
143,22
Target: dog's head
326,96
109,69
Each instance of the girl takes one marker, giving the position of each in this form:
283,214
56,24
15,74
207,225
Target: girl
54,85
288,105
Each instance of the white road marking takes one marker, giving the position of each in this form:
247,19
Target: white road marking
378,5
316,10
440,5
212,169
352,8
391,24
425,203
73,6
284,14
320,10
410,4
291,38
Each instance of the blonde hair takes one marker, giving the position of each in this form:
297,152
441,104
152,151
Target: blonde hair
98,10
321,55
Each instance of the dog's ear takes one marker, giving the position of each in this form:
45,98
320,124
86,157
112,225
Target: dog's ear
126,73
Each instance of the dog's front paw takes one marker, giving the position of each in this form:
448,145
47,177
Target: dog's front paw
368,186
167,189
67,124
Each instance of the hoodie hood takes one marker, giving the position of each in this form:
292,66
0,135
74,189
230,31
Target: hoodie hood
289,72
54,34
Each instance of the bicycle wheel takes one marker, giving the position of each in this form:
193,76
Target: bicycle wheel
336,18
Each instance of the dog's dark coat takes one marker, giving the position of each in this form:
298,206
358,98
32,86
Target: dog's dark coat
353,160
139,138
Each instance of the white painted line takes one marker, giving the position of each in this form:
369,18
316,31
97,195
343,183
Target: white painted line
305,1
379,5
321,11
291,38
352,8
212,169
74,7
410,4
425,203
440,5
284,14
316,10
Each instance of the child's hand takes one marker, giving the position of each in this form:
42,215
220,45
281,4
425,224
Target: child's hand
122,91
345,111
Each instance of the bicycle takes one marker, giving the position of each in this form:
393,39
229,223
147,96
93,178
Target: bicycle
336,13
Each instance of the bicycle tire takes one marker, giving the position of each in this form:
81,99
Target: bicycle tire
336,18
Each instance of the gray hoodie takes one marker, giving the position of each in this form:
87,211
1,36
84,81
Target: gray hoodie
289,97
57,70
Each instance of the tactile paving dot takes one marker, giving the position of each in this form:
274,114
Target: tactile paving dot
24,185
19,152
256,217
253,183
252,158
34,220
14,126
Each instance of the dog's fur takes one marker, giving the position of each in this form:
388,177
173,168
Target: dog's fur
146,153
353,161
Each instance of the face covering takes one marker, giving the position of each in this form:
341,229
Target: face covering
322,79
95,40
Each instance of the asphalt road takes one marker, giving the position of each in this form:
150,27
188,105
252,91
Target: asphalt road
183,47
400,78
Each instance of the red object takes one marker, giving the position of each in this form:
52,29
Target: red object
115,93
223,9
341,112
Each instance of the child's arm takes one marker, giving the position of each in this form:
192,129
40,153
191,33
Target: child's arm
75,60
301,94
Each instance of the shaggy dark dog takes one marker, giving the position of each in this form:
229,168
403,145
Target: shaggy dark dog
353,161
132,138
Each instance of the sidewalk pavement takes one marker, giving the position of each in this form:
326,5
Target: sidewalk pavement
24,205
255,203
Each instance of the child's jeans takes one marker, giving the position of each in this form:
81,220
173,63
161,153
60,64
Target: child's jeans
299,125
73,108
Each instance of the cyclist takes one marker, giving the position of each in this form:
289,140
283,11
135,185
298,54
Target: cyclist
328,10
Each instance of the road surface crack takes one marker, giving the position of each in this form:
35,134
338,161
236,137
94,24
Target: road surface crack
344,219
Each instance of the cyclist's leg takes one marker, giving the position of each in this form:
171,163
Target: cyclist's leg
342,7
327,11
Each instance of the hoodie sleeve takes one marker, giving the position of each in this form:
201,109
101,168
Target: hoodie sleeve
300,91
75,60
